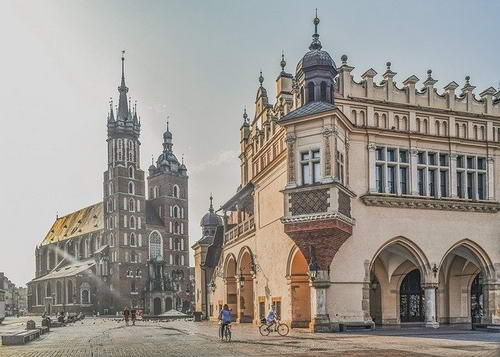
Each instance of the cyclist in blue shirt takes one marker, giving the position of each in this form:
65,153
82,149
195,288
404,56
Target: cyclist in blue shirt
271,316
225,318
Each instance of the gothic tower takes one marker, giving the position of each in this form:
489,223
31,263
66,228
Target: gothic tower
124,203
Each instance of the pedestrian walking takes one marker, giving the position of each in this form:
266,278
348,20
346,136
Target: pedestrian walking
126,315
133,316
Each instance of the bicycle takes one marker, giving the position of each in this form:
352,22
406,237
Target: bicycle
225,333
265,328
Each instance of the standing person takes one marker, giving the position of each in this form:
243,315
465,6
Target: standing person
126,315
133,315
225,318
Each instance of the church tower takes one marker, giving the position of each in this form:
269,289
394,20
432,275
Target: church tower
124,203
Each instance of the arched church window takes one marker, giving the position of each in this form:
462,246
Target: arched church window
70,292
175,191
177,244
155,245
131,188
310,92
131,205
176,228
132,286
131,172
323,91
176,212
177,260
156,192
85,293
120,150
110,188
133,241
110,205
132,222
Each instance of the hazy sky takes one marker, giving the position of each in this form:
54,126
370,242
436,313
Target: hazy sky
198,62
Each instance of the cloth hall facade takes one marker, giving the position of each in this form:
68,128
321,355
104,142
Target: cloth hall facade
361,203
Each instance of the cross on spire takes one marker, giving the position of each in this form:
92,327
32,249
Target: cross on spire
315,44
211,209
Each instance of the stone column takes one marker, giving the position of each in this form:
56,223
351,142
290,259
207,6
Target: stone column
291,174
413,171
430,306
453,175
320,320
491,312
327,155
162,305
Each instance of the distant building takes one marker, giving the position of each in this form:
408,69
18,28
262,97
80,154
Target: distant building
132,248
361,203
13,297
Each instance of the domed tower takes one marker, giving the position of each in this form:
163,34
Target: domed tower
210,221
315,73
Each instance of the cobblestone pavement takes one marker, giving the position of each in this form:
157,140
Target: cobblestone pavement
108,337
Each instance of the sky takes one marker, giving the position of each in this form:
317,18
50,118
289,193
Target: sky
196,62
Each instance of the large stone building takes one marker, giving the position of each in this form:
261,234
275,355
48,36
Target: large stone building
363,202
130,249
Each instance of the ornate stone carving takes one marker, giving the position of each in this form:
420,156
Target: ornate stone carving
308,202
413,151
290,142
372,147
327,133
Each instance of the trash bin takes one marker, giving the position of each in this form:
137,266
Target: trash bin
197,316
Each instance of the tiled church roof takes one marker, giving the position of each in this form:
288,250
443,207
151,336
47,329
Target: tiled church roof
86,220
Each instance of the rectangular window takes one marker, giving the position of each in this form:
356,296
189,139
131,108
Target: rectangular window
431,157
403,156
379,154
306,174
391,155
316,172
460,184
420,179
310,167
421,158
481,163
460,161
379,178
443,160
470,184
403,180
391,184
443,183
480,186
432,183
470,162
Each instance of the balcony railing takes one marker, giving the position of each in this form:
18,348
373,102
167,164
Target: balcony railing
240,230
318,202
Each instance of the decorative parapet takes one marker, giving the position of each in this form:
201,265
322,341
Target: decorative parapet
443,204
240,231
387,91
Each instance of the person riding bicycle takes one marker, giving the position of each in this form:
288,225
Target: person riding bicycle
225,318
272,316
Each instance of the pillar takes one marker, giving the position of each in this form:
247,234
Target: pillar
491,312
162,305
430,306
320,320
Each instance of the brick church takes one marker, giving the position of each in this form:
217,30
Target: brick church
130,249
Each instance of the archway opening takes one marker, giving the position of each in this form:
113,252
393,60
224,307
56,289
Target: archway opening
246,306
300,291
231,288
168,304
157,306
396,278
461,277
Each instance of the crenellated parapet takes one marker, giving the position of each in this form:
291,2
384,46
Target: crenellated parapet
450,98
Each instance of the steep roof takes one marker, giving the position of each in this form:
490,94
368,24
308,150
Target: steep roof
68,270
83,221
308,109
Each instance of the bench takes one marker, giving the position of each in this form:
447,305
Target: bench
20,338
43,329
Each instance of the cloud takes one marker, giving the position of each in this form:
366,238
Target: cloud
221,158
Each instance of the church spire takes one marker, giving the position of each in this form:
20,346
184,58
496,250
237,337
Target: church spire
123,109
211,209
315,44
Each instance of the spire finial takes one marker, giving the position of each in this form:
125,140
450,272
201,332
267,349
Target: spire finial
168,118
152,159
245,115
429,74
211,209
467,80
182,159
283,62
123,110
261,78
123,65
315,44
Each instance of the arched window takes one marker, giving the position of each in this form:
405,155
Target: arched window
133,257
59,293
111,240
177,260
310,92
131,205
445,129
177,244
133,241
323,91
110,188
362,118
39,294
131,188
110,205
131,171
419,128
182,260
354,117
438,128
475,132
132,286
175,191
384,121
176,212
482,133
156,192
377,120
48,290
176,228
85,293
132,222
405,123
120,150
155,245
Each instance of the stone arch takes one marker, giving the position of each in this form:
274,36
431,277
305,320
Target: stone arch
230,273
246,275
244,250
389,266
300,293
482,257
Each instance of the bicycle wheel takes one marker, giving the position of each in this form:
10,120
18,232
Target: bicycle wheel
264,330
228,334
283,329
